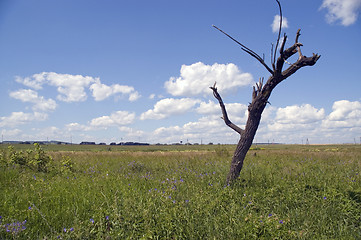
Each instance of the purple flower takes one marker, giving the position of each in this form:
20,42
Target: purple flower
92,220
281,221
187,201
270,215
71,229
34,177
29,208
325,198
64,229
107,218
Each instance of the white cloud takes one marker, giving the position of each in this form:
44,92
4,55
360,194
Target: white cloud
70,87
303,114
276,23
118,118
209,108
196,79
169,106
71,127
18,118
134,96
40,103
101,91
8,134
206,129
345,114
345,11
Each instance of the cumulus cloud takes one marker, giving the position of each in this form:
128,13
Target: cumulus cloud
169,106
134,96
237,112
276,23
40,103
345,114
118,118
345,11
206,129
295,118
208,108
101,91
19,118
196,79
71,88
303,114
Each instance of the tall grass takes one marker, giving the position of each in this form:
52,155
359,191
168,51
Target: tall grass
287,192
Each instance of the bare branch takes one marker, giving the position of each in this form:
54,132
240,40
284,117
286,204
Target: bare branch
298,34
247,50
224,112
279,33
301,62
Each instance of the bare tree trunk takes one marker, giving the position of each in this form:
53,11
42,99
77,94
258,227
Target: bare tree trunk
261,94
244,144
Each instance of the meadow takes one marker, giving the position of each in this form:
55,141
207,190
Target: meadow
179,192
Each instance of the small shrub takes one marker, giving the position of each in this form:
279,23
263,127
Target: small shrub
16,157
66,164
222,152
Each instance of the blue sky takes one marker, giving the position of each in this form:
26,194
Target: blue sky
111,71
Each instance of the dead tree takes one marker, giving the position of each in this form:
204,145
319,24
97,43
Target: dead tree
262,92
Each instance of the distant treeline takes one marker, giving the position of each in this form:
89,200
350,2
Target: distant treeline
113,143
66,143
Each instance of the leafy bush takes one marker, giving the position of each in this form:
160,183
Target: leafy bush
36,159
40,160
66,164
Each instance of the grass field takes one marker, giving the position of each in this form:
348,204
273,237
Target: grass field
178,192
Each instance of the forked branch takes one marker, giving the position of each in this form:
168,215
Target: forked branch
224,111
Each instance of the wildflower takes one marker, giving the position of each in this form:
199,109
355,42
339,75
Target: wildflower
187,201
34,177
173,201
71,229
281,221
107,218
29,207
92,220
64,229
325,198
270,215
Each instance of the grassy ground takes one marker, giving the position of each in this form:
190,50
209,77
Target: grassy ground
178,192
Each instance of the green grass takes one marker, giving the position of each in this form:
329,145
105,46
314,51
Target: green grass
178,192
